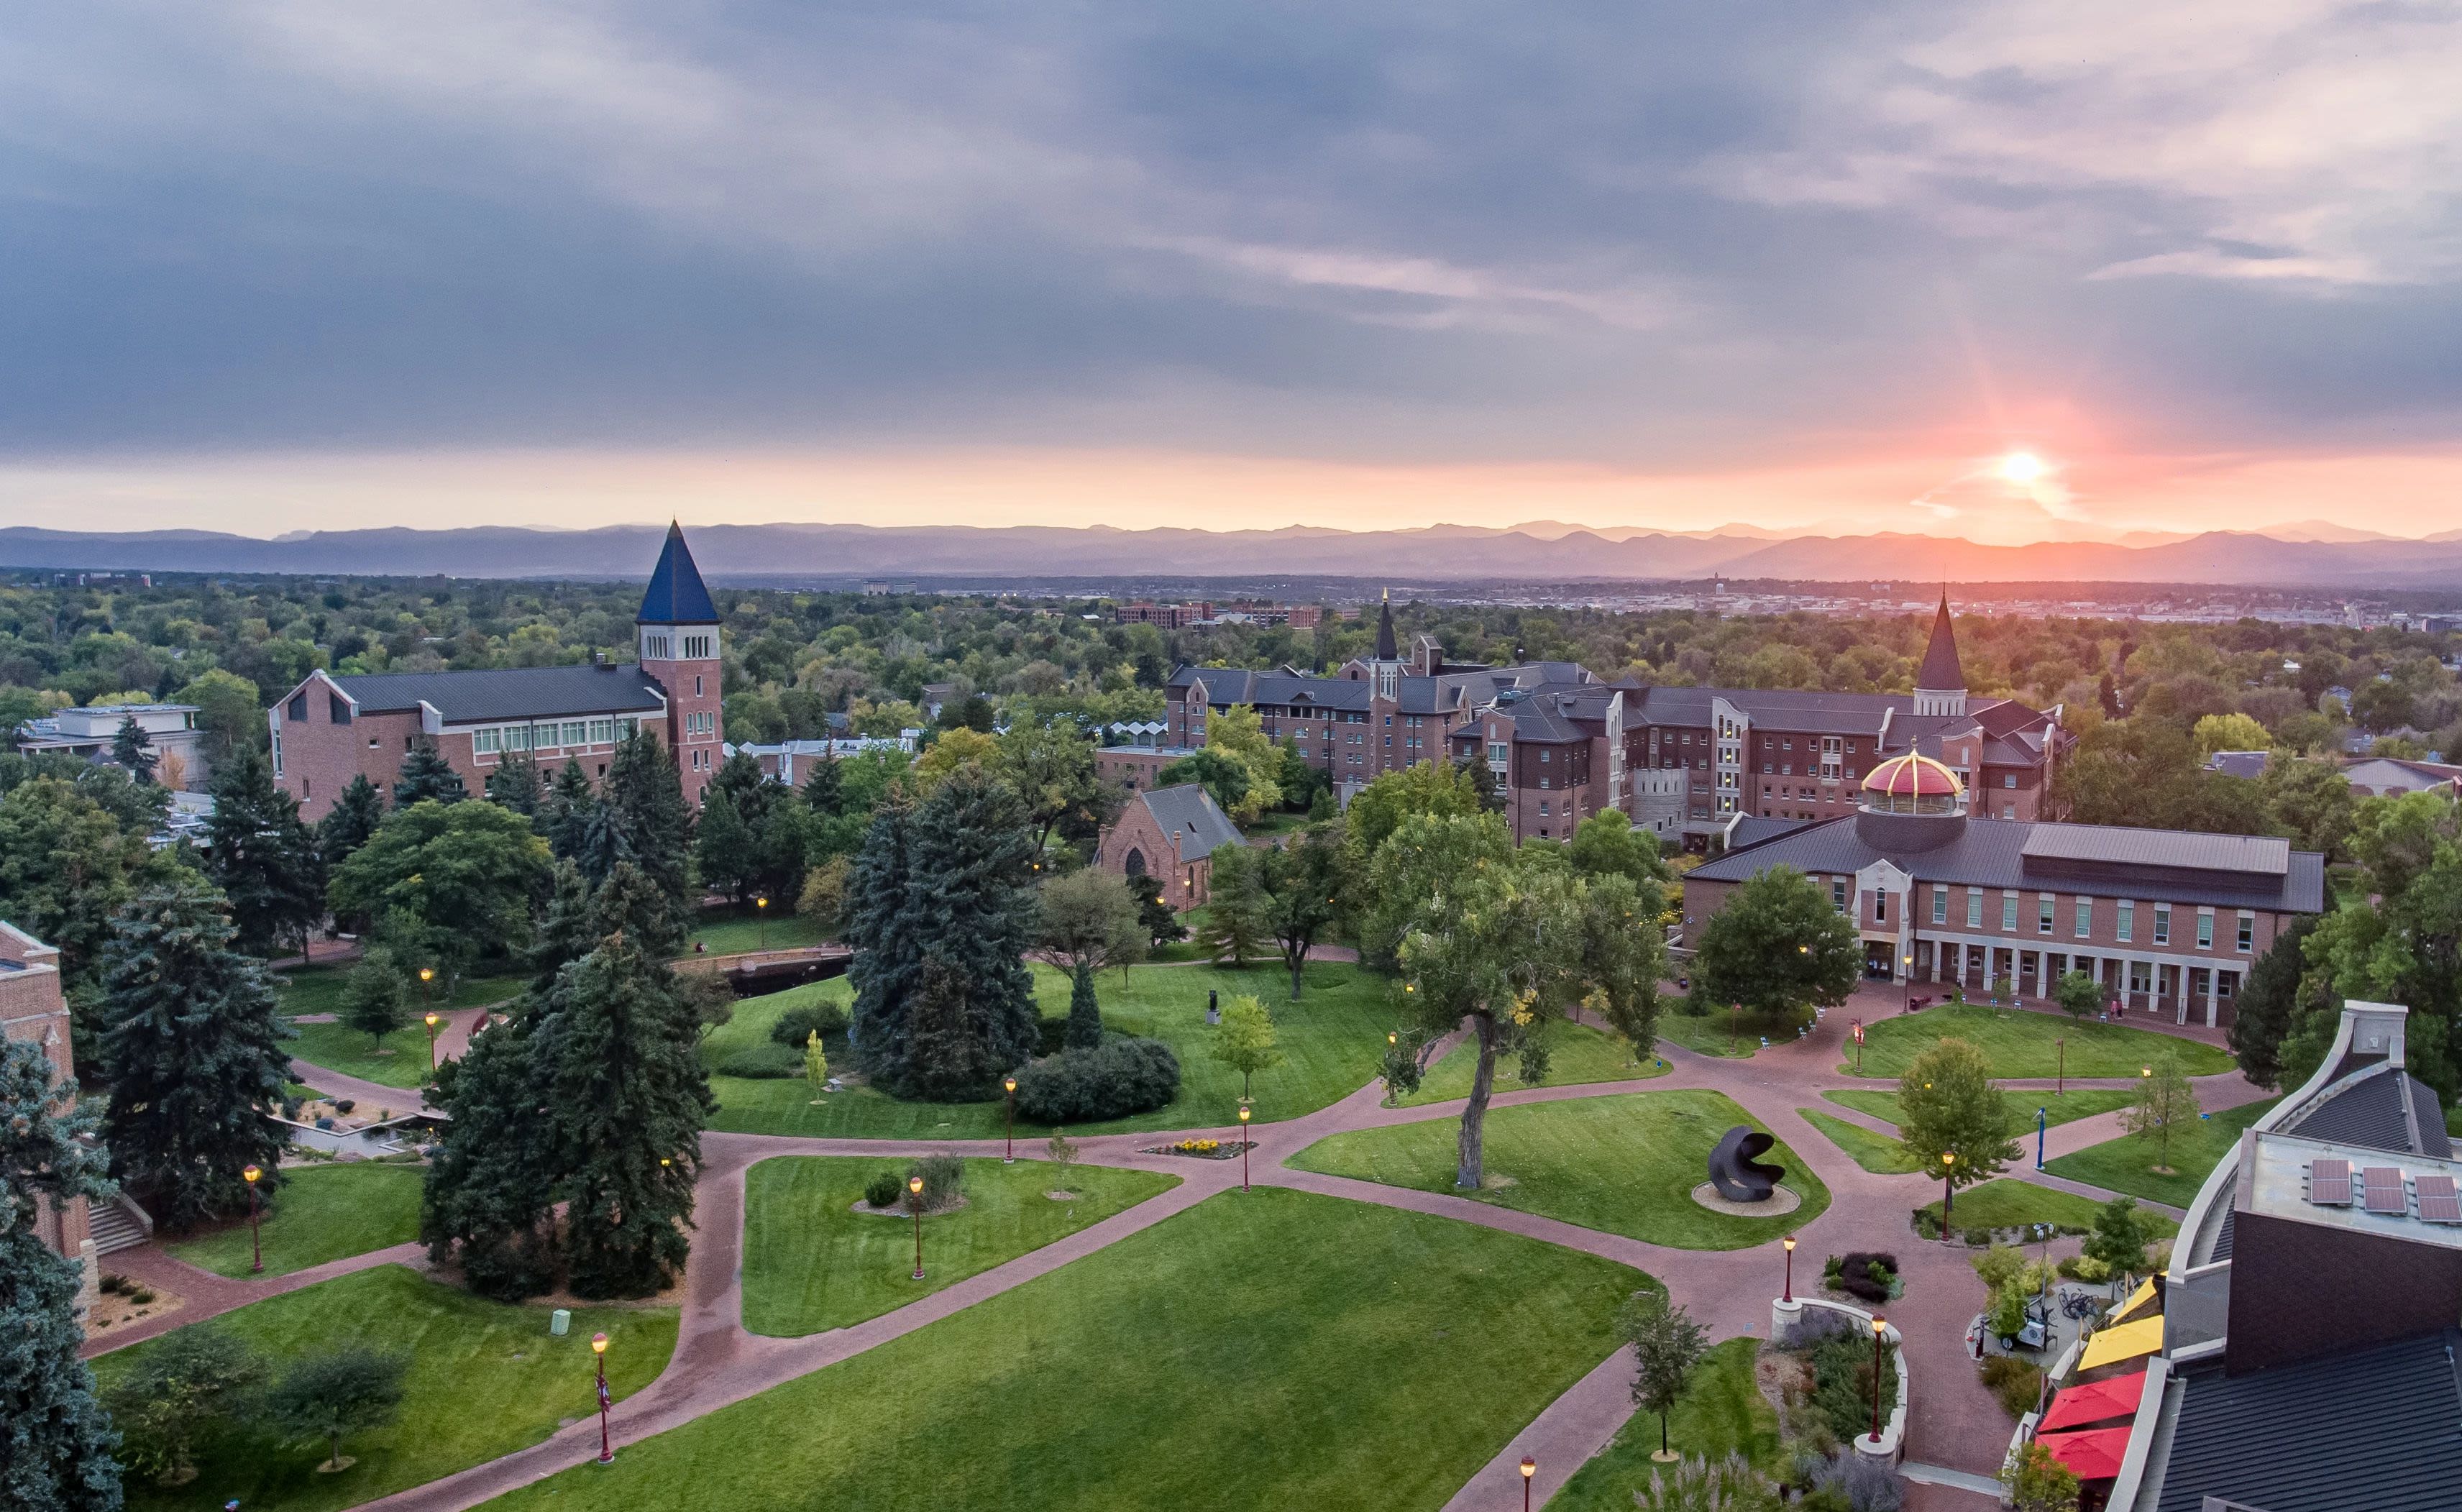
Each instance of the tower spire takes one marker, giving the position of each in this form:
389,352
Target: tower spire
1387,648
677,595
1940,683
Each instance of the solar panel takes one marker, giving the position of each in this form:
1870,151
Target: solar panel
2438,1202
2329,1184
2380,1190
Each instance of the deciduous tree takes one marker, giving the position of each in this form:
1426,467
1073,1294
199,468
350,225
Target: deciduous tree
1952,1109
1667,1345
1244,1040
1088,919
181,1388
463,875
1779,943
1303,882
2165,1102
376,998
328,1397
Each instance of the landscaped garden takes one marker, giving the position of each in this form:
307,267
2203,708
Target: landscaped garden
1723,1032
2018,1042
1878,1154
2007,1202
1622,1164
1332,1041
322,1212
2127,1164
813,1262
399,1059
1576,1054
1721,1412
1271,1348
483,1380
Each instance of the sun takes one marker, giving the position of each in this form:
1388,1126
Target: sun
2021,466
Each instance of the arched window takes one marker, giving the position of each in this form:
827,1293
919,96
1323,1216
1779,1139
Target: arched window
1137,862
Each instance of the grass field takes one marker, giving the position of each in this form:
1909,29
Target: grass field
400,1058
485,1380
725,932
1721,1413
2011,1204
1622,1164
2083,1102
1713,1033
2127,1164
1577,1054
811,1263
318,989
1878,1154
323,1212
1332,1041
2018,1041
1268,1350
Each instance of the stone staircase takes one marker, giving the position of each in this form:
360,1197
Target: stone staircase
117,1224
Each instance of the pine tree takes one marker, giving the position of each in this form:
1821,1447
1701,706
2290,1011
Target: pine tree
723,848
567,930
946,1060
1160,920
134,749
347,824
970,872
626,1098
1085,1015
564,813
514,783
1234,925
880,924
55,1441
426,775
192,1050
630,903
822,791
602,847
740,777
646,795
266,862
376,998
489,1201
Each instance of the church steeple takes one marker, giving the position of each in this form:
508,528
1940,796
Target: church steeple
1940,683
1387,648
677,595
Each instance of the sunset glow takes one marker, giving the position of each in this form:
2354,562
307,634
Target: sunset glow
2021,466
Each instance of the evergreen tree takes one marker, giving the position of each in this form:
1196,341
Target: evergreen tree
822,791
600,846
564,813
969,875
567,929
946,1060
646,795
192,1049
376,998
881,924
626,1098
722,847
740,778
134,749
1234,925
488,1200
630,903
1085,1015
347,824
56,1440
424,775
1161,920
514,783
266,862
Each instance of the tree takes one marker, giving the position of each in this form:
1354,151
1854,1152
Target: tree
266,862
1244,1040
514,783
1159,919
1667,1344
2165,1101
2311,801
2120,1235
883,925
723,847
1089,921
340,1391
1052,769
192,1050
376,999
816,1062
1779,944
1219,772
134,749
650,822
1084,1030
2037,1482
2229,732
350,822
1434,789
228,711
487,1202
1303,882
955,749
180,1387
2268,1004
426,775
67,864
461,876
822,901
564,812
1419,860
60,1441
1234,925
822,789
2078,994
1952,1108
1239,734
1607,843
626,1098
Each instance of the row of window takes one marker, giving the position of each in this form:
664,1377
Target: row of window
496,740
2125,916
703,722
701,647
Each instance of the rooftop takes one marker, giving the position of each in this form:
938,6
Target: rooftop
506,694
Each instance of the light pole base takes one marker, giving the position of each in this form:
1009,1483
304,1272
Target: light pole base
918,1276
1785,1316
607,1459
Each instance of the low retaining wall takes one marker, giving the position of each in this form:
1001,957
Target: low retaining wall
1786,1317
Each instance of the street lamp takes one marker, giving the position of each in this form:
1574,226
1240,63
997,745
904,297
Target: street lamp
606,1445
1008,1084
1529,1468
1734,1025
1788,1295
1878,1324
1948,1189
762,904
426,975
432,1022
1910,980
1243,1147
2060,1073
2042,1115
915,1200
256,1241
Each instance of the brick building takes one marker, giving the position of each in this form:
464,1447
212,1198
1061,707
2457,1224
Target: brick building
2169,921
1169,834
33,1011
335,726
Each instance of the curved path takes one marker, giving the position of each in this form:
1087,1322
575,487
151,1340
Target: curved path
1955,1423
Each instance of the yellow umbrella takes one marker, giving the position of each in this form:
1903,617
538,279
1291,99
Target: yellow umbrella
2138,1299
2125,1341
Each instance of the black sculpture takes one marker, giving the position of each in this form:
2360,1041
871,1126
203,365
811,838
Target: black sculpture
1734,1171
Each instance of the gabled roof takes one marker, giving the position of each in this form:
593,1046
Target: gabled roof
1941,672
1187,809
508,693
676,595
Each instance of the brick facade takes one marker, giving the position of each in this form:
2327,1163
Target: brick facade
34,1012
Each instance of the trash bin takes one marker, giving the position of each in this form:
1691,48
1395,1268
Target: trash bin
559,1323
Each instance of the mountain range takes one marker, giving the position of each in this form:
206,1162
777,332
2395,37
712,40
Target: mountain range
2310,556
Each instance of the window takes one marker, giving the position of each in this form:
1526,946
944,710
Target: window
1974,908
2009,912
2009,780
699,648
653,648
2084,918
1838,894
277,750
575,733
1547,755
1880,908
487,742
602,731
2043,916
2162,923
1940,904
338,708
696,687
2246,932
2205,929
2125,929
297,713
1543,808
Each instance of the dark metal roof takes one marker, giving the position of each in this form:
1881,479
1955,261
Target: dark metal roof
2433,1140
2379,1109
676,595
1941,672
509,693
1192,812
2224,1236
1994,853
2376,1430
2257,854
1386,649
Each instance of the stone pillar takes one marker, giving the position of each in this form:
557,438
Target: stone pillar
1783,1318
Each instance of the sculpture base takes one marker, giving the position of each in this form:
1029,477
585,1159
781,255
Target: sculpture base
1781,1201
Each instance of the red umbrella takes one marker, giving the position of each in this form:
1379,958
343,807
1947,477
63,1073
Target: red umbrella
2094,1455
2094,1402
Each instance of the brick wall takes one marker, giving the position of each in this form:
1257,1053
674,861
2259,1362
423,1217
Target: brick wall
319,757
1138,843
33,1011
693,689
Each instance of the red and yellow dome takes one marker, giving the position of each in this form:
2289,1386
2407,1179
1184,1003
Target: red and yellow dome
1912,776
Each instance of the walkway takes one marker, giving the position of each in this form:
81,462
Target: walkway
1958,1426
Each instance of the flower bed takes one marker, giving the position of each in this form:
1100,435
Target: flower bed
1203,1149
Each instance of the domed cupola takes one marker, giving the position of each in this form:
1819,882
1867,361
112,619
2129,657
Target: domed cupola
1910,803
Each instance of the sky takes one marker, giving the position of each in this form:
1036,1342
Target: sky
2011,270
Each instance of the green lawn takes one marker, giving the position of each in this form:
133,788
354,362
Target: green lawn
2007,1202
1878,1154
1622,1164
725,932
485,1380
1332,1041
2018,1043
400,1058
2083,1102
1713,1033
1271,1348
1577,1054
318,989
2127,1164
1721,1412
323,1212
811,1263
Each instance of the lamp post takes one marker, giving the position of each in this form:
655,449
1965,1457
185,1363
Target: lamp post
915,1200
426,975
1788,1293
1243,1147
761,906
1948,1187
432,1021
2061,1074
1529,1468
1008,1084
255,1241
1910,981
1878,1324
606,1445
2043,1117
1735,1025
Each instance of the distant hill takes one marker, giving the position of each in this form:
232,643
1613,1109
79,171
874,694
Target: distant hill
1438,553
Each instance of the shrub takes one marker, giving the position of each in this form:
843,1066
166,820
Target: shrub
944,1178
2019,1385
1859,1484
1051,1036
1842,1380
769,1062
343,1105
1867,1275
1123,1076
798,1023
2086,1268
884,1189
